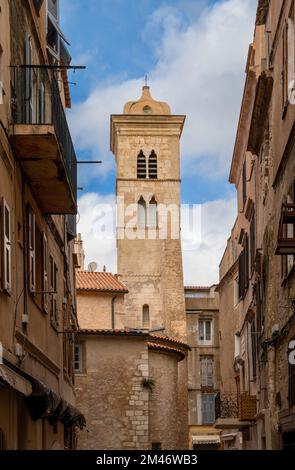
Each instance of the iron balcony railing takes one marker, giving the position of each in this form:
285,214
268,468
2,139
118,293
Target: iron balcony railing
235,405
36,101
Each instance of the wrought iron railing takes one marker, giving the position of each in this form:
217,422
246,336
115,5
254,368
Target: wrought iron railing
242,406
226,405
36,100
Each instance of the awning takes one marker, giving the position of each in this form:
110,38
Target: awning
44,403
206,439
229,437
15,380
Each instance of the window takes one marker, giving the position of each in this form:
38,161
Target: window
145,317
208,408
141,213
205,331
153,166
152,213
291,384
244,268
1,75
252,241
44,273
78,365
32,249
288,59
53,8
288,230
38,4
6,227
141,166
53,289
156,446
207,372
254,349
244,189
28,81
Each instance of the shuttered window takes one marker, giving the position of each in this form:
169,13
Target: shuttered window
53,289
207,373
6,231
208,408
32,249
252,241
45,286
244,271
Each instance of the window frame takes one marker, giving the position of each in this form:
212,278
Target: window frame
206,342
45,265
53,270
32,249
80,348
207,378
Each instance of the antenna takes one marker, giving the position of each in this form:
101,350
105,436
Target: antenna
92,267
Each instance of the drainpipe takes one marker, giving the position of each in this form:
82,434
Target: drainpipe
113,311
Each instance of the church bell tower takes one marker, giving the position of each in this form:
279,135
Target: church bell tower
145,140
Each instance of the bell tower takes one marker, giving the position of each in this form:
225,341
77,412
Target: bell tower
145,140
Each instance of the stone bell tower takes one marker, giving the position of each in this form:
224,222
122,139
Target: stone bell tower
145,140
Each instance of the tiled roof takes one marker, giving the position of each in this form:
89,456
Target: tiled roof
98,282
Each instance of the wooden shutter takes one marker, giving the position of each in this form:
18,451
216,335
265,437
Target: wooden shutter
252,241
45,286
208,408
207,372
32,249
6,227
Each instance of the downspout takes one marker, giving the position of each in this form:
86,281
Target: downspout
113,311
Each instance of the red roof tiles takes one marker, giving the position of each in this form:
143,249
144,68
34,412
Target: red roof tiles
98,282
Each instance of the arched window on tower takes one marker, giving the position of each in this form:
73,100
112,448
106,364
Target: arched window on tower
153,166
141,213
146,317
141,166
153,213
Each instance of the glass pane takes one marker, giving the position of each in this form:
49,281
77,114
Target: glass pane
208,330
7,224
201,331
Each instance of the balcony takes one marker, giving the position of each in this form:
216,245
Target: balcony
235,411
286,236
42,140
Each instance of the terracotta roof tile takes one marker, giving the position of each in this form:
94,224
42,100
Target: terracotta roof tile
98,282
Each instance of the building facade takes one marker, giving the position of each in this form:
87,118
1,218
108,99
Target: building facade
202,312
38,188
256,405
143,330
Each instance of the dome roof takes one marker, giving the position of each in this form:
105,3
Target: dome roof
147,105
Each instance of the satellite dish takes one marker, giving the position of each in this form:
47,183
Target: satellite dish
92,267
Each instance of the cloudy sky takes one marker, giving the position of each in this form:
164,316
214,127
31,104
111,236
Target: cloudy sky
194,53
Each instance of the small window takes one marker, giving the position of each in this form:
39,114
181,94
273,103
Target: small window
32,249
152,213
141,213
78,365
153,166
146,317
205,331
156,446
6,224
141,166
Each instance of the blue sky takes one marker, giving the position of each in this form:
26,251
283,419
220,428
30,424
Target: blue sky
194,52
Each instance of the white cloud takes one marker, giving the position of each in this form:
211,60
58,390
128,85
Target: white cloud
199,71
200,258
